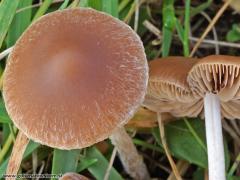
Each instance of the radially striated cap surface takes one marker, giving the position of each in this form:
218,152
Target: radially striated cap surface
73,77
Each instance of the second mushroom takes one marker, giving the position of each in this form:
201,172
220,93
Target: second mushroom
216,80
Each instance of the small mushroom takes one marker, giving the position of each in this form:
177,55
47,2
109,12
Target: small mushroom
73,78
73,176
216,80
168,89
169,92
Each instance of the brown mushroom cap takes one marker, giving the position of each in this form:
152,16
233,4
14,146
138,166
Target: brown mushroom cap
168,89
73,176
218,74
73,77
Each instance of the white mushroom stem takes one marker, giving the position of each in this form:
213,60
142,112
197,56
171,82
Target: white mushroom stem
216,162
128,154
17,155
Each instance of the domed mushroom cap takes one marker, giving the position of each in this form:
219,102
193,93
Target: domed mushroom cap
167,78
73,77
218,74
73,176
168,89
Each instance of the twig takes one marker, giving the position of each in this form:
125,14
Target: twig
214,20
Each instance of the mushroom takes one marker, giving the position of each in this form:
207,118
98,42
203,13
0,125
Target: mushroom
168,89
73,176
216,80
72,79
169,92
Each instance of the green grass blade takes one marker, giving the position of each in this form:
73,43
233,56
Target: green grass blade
64,5
65,161
185,144
5,132
181,142
123,4
234,166
166,43
195,135
74,4
180,30
110,7
19,23
4,118
43,9
30,148
168,26
186,28
148,146
7,12
85,163
83,3
98,169
95,4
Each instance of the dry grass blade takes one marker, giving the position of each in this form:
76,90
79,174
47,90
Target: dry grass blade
182,167
145,123
136,19
41,169
217,51
235,126
164,143
106,177
17,154
231,132
213,22
157,33
5,53
206,175
145,118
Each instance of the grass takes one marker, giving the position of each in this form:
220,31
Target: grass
176,21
